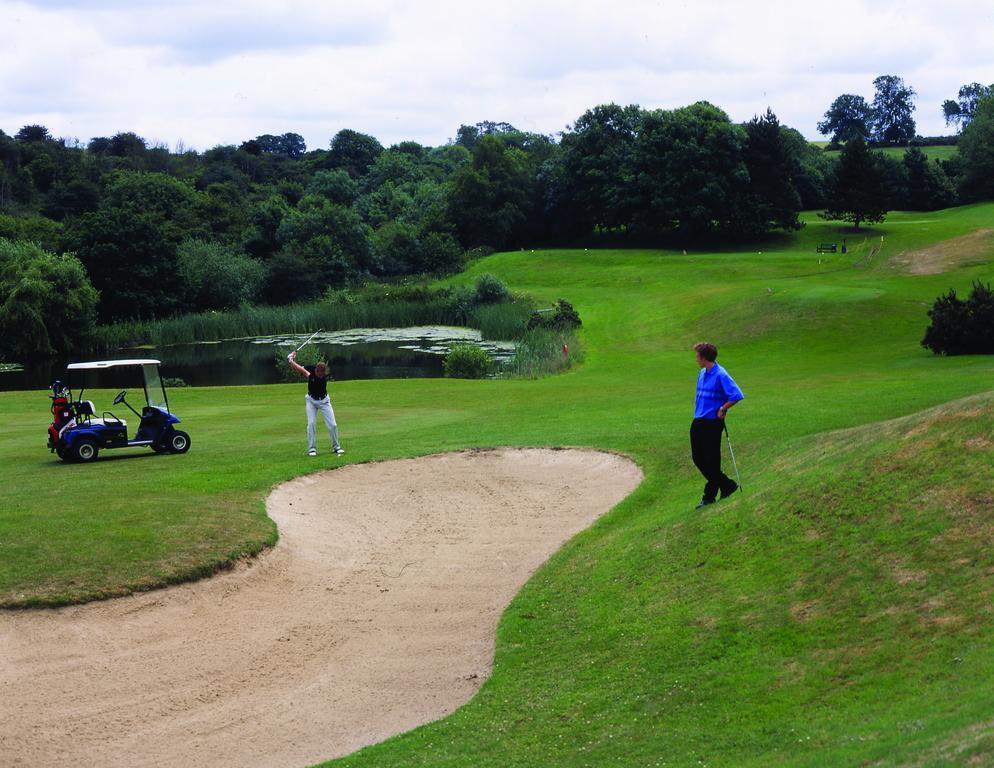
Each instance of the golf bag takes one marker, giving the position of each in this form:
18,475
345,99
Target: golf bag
63,417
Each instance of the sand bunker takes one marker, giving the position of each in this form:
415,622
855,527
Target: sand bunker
375,613
974,248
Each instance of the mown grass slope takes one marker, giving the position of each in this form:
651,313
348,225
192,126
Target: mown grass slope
936,152
833,614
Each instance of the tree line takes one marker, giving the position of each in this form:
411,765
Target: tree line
158,232
889,118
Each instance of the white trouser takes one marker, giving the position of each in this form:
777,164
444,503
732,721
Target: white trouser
313,406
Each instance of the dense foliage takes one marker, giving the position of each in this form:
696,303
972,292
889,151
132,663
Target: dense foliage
161,233
977,153
847,118
962,327
856,190
47,304
888,119
960,111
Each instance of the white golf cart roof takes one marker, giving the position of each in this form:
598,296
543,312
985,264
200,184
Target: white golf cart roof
108,364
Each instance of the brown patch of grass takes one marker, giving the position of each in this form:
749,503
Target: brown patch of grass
706,622
904,576
979,444
952,748
805,610
974,247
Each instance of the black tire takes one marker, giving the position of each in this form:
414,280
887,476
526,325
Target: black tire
160,447
85,451
63,454
178,441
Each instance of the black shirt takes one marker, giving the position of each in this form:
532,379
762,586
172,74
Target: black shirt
317,388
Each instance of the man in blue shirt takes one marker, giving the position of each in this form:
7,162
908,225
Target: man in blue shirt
716,393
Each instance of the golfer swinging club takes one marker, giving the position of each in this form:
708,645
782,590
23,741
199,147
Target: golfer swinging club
716,393
317,400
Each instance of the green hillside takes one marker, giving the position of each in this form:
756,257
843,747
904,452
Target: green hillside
943,152
836,613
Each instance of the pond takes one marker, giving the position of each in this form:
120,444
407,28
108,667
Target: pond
358,353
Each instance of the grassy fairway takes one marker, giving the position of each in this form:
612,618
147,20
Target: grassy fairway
837,613
939,152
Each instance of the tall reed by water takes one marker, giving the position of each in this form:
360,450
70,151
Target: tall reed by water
338,311
541,352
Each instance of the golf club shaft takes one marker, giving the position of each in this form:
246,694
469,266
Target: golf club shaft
731,452
308,340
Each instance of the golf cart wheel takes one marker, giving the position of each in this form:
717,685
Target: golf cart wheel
179,442
160,447
85,451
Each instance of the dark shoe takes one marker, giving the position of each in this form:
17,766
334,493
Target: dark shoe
704,502
726,492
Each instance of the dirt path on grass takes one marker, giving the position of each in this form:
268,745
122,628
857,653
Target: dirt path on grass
375,613
974,248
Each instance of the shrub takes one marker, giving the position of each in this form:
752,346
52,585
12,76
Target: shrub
441,253
467,361
563,318
479,252
490,289
397,250
217,277
962,327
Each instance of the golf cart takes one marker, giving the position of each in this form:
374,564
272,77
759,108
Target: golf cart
78,434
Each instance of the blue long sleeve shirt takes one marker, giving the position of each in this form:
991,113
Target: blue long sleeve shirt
714,389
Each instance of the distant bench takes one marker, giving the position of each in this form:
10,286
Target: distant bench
827,247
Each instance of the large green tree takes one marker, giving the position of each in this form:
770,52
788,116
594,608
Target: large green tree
354,152
215,276
597,178
893,109
846,119
489,198
47,303
771,200
976,150
856,191
926,185
960,112
331,240
691,172
131,258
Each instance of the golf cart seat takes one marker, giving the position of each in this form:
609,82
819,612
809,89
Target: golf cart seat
110,420
86,413
84,410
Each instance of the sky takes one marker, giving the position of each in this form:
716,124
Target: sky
197,74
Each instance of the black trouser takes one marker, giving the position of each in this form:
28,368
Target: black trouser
705,445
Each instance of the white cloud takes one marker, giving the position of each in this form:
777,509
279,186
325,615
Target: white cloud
213,73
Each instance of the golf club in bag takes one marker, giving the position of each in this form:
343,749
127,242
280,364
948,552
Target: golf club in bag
738,479
306,342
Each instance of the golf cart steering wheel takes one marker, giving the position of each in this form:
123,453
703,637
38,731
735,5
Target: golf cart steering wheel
120,397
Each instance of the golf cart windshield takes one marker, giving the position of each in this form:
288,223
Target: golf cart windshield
154,390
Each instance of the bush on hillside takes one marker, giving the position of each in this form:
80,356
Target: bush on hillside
467,361
490,289
563,318
962,327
